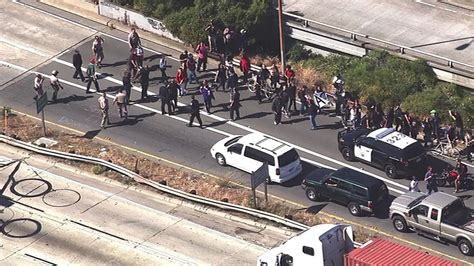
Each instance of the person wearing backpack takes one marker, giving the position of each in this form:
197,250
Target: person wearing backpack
133,39
162,66
91,76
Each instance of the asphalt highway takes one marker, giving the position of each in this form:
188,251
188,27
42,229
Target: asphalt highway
167,136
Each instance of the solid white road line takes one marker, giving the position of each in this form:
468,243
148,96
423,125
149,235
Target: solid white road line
223,132
220,118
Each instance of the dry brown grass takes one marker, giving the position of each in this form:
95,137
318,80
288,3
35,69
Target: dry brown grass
29,130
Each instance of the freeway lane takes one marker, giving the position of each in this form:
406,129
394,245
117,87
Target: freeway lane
166,137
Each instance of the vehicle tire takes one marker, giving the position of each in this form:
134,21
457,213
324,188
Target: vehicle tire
440,182
354,209
390,171
399,223
347,154
465,246
312,194
220,159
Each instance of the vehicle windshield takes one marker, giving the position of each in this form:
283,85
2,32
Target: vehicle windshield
288,157
416,201
232,141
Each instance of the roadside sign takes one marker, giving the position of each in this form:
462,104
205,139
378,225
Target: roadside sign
259,176
256,178
41,102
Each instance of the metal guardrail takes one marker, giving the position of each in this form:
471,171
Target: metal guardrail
402,49
154,184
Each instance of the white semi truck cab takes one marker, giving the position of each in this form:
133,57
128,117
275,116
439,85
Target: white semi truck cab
324,244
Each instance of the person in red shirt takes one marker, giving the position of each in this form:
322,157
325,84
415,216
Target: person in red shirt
181,80
245,66
202,50
289,73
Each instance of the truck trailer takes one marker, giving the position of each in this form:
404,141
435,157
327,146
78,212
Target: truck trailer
333,245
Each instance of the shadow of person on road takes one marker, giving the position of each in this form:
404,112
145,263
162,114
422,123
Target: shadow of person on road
335,125
216,123
118,63
104,75
131,120
71,98
256,115
295,120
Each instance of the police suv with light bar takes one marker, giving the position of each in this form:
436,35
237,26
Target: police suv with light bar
396,153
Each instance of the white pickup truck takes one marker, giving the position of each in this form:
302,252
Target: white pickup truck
440,216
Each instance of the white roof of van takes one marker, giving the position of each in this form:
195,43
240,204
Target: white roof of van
392,137
265,142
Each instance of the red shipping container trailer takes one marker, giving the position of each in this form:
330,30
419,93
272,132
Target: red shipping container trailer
378,252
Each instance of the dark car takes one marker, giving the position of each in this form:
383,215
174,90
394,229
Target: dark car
358,191
395,153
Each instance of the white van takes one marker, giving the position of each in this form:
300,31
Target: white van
249,152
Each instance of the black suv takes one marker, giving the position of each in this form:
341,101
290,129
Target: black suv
356,190
395,153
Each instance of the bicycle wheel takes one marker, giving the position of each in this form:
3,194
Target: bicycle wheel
268,92
250,87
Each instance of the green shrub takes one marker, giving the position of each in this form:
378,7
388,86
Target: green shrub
298,53
443,97
98,169
387,79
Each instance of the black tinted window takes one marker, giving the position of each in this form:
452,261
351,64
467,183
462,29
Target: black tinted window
422,210
378,192
360,191
412,151
237,148
259,156
344,186
368,142
288,157
232,141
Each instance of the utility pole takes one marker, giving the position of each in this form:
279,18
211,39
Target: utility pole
282,38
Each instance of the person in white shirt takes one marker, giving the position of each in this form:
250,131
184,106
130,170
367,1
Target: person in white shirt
55,84
104,108
120,100
38,87
414,185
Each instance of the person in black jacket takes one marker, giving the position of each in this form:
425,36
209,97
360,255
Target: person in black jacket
77,62
144,76
165,99
313,111
276,108
127,85
292,96
194,112
173,93
235,104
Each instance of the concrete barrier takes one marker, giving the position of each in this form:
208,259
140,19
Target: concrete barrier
135,19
